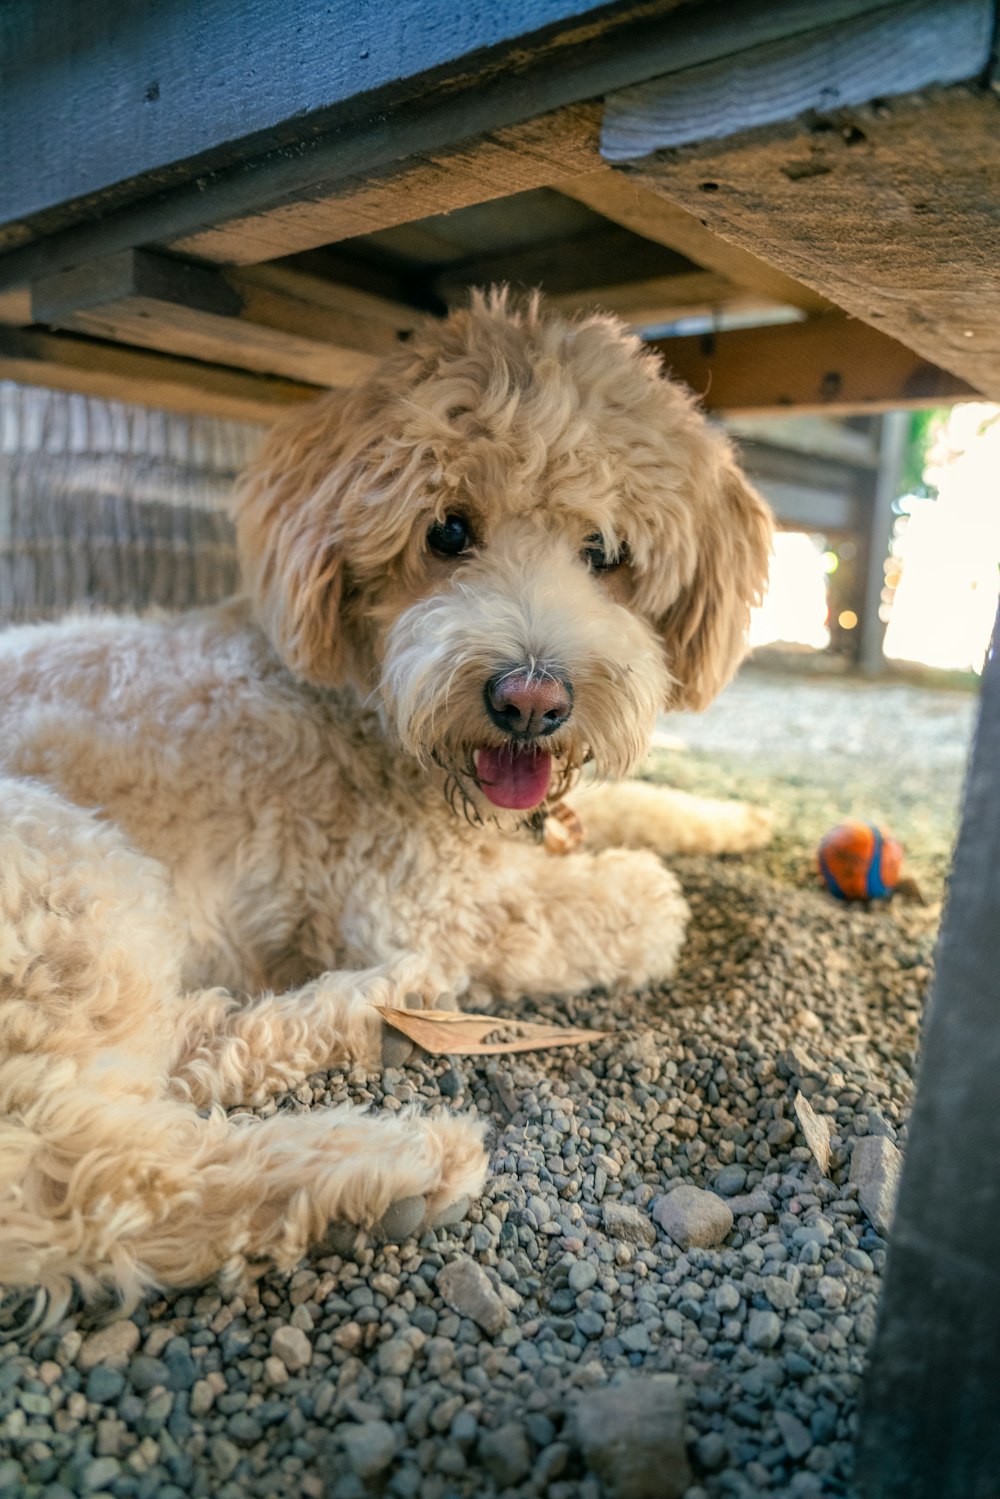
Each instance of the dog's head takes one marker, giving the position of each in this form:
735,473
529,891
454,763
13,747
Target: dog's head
518,538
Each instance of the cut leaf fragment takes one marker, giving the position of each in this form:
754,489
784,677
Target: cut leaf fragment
450,1033
816,1130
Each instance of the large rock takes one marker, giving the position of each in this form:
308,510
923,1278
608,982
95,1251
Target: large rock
632,1436
875,1166
466,1288
693,1218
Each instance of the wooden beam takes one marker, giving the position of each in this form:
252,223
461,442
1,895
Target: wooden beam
645,304
626,201
929,1426
606,266
829,364
438,179
145,129
266,322
64,362
15,305
889,208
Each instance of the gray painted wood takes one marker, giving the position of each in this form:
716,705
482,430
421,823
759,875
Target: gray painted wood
96,93
930,1428
272,143
889,52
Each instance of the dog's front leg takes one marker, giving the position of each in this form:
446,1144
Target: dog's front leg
232,1053
131,1191
614,919
639,814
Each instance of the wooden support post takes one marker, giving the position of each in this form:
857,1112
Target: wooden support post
930,1428
892,454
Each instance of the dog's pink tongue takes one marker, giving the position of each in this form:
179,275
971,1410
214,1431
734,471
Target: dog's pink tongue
513,777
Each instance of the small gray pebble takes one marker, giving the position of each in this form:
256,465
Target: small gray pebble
582,1275
627,1223
763,1329
370,1447
730,1180
505,1454
401,1220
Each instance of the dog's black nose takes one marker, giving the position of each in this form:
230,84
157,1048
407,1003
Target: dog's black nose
528,706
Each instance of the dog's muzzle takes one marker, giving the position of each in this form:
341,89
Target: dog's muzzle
527,705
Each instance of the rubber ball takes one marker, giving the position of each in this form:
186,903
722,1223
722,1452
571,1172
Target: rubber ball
859,861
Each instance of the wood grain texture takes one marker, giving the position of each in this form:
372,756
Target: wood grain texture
64,362
830,364
266,323
146,88
603,265
494,164
627,201
15,305
357,144
895,50
892,211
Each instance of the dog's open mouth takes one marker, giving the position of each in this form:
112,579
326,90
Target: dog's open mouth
513,776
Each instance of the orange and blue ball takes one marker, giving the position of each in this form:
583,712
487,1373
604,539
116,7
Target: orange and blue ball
859,861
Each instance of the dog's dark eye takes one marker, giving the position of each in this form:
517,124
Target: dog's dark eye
601,560
450,537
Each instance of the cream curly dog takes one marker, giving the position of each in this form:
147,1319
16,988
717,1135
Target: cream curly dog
225,836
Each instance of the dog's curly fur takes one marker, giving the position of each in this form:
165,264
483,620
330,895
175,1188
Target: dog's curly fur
225,836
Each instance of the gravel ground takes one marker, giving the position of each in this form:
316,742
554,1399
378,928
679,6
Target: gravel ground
660,1293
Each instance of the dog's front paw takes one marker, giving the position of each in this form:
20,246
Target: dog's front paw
432,1171
742,827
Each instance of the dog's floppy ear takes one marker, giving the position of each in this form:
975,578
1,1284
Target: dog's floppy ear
287,509
704,630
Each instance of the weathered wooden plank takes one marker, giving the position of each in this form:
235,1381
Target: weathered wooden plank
893,212
440,179
355,140
624,199
890,209
15,305
266,324
65,362
929,1428
830,364
889,52
606,265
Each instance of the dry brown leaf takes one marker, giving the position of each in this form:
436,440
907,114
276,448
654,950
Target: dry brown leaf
451,1033
816,1130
